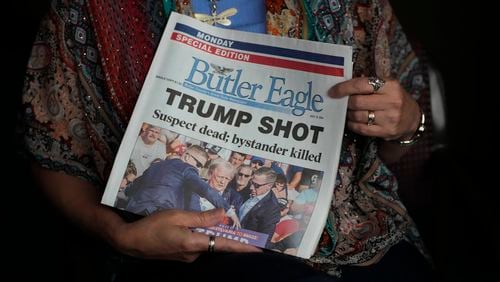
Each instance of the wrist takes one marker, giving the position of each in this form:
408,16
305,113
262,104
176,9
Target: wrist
231,212
128,240
116,236
412,138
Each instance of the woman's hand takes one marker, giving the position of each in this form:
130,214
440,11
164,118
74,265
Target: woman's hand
162,235
396,114
167,235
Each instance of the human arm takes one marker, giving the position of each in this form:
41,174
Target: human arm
197,185
383,50
234,218
163,235
219,201
235,200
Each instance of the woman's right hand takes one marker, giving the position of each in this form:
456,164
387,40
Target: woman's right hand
167,235
162,235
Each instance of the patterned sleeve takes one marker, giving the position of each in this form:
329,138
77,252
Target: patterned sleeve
394,55
408,64
54,121
381,47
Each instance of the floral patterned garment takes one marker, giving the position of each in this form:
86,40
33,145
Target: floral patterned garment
90,59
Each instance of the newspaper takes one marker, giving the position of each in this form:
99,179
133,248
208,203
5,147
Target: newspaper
249,101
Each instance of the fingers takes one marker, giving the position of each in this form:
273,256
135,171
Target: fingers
394,109
237,225
200,243
199,219
364,129
353,86
380,117
168,235
226,245
358,116
375,102
362,97
357,121
211,218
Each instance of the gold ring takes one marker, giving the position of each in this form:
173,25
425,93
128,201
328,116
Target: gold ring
376,83
211,244
371,118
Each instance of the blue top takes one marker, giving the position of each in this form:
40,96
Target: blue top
251,14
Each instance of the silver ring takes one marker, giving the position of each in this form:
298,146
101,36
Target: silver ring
371,118
211,244
376,83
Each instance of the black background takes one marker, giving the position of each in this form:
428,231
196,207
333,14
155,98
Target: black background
460,225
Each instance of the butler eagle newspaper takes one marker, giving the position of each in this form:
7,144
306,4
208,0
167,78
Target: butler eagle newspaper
270,100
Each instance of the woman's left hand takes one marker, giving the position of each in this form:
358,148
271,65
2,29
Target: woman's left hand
395,114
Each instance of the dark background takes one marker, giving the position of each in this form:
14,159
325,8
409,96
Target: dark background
458,221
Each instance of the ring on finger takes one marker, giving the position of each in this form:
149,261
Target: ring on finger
371,118
211,244
376,83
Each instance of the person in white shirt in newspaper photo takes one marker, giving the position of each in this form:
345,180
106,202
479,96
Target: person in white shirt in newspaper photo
220,174
148,148
78,102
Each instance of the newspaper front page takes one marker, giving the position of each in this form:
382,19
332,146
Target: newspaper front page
256,107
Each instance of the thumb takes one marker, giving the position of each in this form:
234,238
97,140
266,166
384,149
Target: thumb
334,92
202,219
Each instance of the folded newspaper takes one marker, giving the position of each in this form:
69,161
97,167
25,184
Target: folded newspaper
240,121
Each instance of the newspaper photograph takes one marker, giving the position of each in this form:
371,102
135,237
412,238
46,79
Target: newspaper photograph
239,121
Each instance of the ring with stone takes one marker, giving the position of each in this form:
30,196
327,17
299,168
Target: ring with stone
376,83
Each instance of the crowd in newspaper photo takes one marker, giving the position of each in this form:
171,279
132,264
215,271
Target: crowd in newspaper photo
267,202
